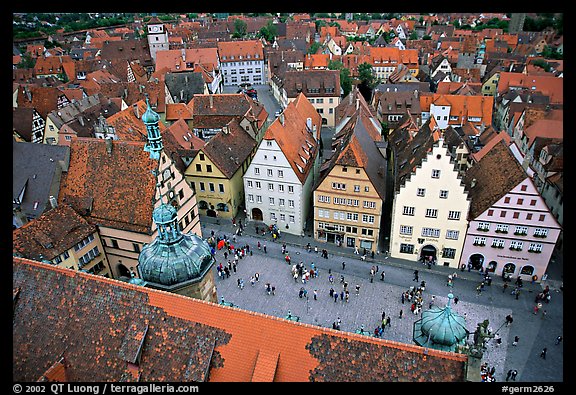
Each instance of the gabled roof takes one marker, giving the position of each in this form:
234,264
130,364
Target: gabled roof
495,174
37,168
229,148
191,340
115,188
305,80
128,124
290,131
233,51
51,234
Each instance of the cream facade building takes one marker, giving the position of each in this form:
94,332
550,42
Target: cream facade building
430,207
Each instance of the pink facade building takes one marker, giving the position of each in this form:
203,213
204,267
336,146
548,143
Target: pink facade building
511,230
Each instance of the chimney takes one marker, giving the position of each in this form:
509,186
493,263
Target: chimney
181,95
53,201
109,146
281,117
183,51
357,103
81,120
136,110
309,124
473,183
211,101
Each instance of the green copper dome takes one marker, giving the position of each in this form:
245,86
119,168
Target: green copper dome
164,214
440,328
150,116
172,263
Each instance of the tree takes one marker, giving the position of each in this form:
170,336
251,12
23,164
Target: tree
313,48
413,36
240,28
345,79
366,76
268,32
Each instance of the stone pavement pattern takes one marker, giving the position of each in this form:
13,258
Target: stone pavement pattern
366,308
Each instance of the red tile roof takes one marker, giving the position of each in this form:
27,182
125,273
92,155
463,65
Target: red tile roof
233,51
291,134
190,339
122,194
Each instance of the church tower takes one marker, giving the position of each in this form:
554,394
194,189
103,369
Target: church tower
154,144
157,36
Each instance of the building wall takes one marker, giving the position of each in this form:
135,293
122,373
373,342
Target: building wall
50,132
326,107
530,212
349,228
271,157
457,200
233,188
490,86
98,265
120,248
237,72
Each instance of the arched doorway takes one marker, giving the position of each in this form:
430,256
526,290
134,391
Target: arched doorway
476,260
211,213
491,266
508,270
123,270
203,205
426,252
527,270
257,214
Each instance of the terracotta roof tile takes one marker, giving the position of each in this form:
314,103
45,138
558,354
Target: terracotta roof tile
189,339
130,181
233,51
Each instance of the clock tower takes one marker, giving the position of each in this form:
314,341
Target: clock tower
157,36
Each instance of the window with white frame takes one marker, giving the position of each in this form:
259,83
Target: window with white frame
435,173
280,173
258,185
421,192
368,204
430,232
452,234
431,213
443,194
455,215
338,185
406,248
281,188
356,188
283,217
408,210
498,243
251,198
292,219
501,228
521,231
270,186
281,202
258,199
406,230
257,171
271,199
290,189
270,172
483,226
273,216
535,247
323,199
539,232
291,203
516,245
479,241
249,183
368,218
449,253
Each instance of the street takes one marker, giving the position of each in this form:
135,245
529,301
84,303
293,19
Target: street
378,296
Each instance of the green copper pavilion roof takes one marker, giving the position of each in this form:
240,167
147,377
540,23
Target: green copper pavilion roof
173,257
150,116
440,328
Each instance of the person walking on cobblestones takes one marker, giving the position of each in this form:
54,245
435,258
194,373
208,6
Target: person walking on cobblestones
543,353
343,265
357,289
558,340
415,276
401,313
516,340
508,375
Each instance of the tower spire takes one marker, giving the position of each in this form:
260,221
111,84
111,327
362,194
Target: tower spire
150,119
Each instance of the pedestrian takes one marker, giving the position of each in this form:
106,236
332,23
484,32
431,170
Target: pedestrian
257,276
264,247
478,290
402,297
431,302
508,375
383,314
537,308
343,265
558,340
382,275
509,319
331,292
456,300
517,293
544,312
401,312
415,276
273,290
388,321
347,296
316,249
234,267
514,373
515,342
259,245
331,279
372,256
357,289
504,287
543,353
315,294
342,295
